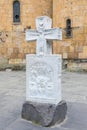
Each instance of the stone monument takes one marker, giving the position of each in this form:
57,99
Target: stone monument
44,103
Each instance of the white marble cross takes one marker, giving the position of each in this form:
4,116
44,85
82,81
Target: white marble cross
44,34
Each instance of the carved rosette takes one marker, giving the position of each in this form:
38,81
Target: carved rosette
41,81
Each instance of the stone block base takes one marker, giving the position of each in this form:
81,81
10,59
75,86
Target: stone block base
44,114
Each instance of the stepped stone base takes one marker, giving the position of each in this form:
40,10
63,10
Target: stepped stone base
44,114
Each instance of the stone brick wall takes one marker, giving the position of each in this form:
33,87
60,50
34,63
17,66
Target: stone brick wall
13,46
12,35
74,47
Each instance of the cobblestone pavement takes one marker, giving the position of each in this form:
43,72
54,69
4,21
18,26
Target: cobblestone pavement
12,97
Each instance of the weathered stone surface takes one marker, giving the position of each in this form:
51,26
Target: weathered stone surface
43,79
44,34
44,114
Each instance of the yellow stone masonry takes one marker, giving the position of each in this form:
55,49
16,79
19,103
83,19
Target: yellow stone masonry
76,10
12,36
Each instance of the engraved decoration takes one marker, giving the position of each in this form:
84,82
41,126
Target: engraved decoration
41,80
44,35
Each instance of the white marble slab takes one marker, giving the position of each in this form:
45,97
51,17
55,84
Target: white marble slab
43,78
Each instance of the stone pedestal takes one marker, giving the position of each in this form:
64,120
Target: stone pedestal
44,114
43,90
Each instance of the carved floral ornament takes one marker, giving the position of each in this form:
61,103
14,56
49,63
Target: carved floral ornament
44,74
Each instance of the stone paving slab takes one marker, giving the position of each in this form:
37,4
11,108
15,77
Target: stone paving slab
76,116
24,125
12,97
76,120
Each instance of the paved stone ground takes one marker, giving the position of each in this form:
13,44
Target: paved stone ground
12,96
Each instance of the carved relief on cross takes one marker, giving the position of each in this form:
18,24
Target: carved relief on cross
43,34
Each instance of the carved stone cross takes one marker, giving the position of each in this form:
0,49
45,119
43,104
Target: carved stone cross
44,34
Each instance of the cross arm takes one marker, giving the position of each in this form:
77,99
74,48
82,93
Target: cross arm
53,34
31,35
